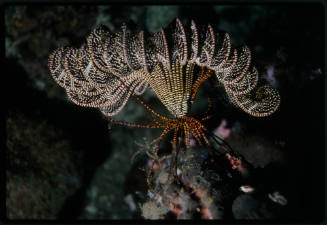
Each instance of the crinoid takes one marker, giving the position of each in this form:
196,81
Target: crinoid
174,62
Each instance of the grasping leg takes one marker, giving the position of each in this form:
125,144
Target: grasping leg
165,131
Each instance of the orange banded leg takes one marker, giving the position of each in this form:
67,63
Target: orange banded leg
200,130
164,132
141,101
187,136
196,135
175,137
205,138
123,123
205,74
150,109
205,115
